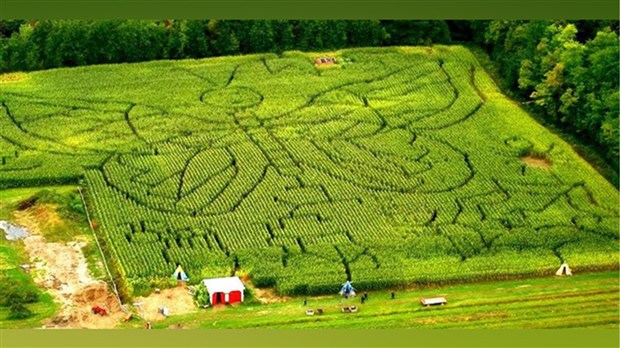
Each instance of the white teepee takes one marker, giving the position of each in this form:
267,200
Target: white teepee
564,270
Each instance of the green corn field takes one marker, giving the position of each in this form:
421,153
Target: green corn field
395,166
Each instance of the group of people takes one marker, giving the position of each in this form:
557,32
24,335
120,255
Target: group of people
348,291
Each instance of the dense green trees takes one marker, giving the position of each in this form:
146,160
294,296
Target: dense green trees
50,44
417,32
568,76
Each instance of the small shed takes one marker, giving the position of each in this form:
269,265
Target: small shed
227,290
325,61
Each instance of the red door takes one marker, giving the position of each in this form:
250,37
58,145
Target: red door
234,297
217,297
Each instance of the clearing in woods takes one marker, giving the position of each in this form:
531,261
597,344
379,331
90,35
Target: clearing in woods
400,165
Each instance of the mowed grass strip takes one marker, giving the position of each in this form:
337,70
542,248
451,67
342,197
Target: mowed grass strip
585,300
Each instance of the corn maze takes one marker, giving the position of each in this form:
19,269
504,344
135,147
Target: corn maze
396,166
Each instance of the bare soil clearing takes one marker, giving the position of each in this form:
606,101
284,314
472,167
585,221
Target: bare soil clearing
266,295
536,162
177,300
38,218
62,270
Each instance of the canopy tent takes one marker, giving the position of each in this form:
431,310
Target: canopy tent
224,290
179,274
347,289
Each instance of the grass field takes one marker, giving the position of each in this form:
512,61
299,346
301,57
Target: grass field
584,300
12,256
397,166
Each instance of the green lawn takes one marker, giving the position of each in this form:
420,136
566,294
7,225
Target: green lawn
12,255
583,300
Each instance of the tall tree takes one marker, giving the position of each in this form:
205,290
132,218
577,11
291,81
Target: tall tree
22,52
261,36
225,41
365,33
197,40
558,56
10,26
409,32
176,39
602,91
4,64
309,35
512,42
104,42
334,33
283,35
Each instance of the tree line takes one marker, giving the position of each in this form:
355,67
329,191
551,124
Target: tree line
566,71
49,44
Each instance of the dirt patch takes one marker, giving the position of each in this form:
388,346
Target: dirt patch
78,314
38,218
23,205
537,162
62,270
177,300
265,296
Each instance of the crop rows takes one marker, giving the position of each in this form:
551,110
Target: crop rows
399,166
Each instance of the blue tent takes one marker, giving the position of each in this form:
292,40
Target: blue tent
179,274
347,289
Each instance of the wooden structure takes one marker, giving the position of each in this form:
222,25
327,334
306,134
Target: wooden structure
350,309
433,301
325,61
224,290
